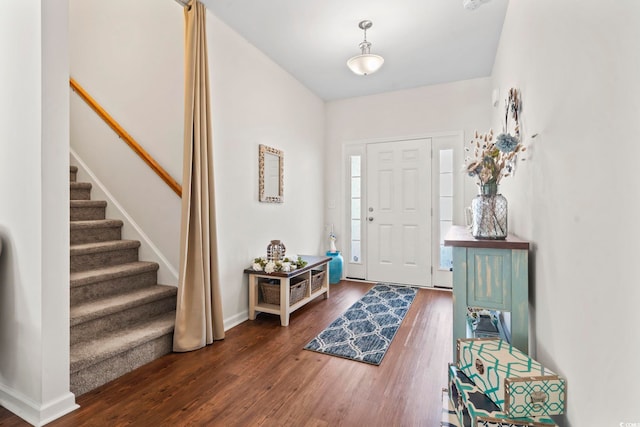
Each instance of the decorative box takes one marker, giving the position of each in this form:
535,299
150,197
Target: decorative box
474,408
449,417
519,385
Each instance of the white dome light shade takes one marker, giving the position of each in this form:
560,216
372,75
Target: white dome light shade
365,64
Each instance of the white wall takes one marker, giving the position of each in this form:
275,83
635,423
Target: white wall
462,106
131,61
129,57
255,102
34,264
577,65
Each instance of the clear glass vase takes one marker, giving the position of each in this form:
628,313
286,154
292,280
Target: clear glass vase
489,211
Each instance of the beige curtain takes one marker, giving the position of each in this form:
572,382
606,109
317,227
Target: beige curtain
199,309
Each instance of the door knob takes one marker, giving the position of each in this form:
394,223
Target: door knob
370,218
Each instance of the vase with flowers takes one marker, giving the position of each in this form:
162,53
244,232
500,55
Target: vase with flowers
489,160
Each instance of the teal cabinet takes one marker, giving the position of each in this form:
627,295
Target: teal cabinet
488,278
491,274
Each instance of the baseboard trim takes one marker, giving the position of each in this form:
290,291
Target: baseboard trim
31,412
58,408
236,319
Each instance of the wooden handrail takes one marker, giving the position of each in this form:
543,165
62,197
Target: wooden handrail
163,174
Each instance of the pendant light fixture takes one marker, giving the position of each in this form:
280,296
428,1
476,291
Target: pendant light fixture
473,4
365,63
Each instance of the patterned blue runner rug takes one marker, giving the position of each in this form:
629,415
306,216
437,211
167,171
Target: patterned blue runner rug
364,332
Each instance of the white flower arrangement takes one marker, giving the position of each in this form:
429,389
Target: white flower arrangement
289,263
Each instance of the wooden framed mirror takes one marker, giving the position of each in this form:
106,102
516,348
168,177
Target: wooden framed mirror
271,174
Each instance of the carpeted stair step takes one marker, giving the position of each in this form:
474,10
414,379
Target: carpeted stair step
106,281
80,190
87,256
85,210
98,230
108,357
98,317
120,317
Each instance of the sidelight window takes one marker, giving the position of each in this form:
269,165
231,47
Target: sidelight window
355,254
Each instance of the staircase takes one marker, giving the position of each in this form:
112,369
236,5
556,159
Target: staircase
120,317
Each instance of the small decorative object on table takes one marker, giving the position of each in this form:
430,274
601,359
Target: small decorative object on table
489,213
493,160
275,250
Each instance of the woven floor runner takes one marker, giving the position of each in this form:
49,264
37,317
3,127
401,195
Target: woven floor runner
365,331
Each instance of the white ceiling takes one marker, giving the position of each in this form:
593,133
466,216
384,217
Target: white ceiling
423,42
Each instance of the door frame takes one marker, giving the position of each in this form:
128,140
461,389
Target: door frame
358,147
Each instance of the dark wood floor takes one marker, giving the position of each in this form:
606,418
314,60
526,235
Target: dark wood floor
260,376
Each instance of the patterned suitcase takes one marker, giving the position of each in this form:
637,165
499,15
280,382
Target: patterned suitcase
475,409
519,385
449,417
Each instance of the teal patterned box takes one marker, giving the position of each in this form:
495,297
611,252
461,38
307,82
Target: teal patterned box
519,385
474,409
449,417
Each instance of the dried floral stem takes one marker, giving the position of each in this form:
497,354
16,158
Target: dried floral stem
495,159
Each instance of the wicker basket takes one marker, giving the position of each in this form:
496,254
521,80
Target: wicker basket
271,291
317,280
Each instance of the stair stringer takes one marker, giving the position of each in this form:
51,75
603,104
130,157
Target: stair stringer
167,273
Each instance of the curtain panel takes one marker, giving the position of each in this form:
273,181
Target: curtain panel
199,319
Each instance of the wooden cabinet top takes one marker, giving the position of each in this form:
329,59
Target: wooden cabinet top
312,262
460,236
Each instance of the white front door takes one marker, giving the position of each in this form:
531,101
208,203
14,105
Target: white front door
398,212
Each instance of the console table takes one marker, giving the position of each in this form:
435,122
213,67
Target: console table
284,309
491,274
